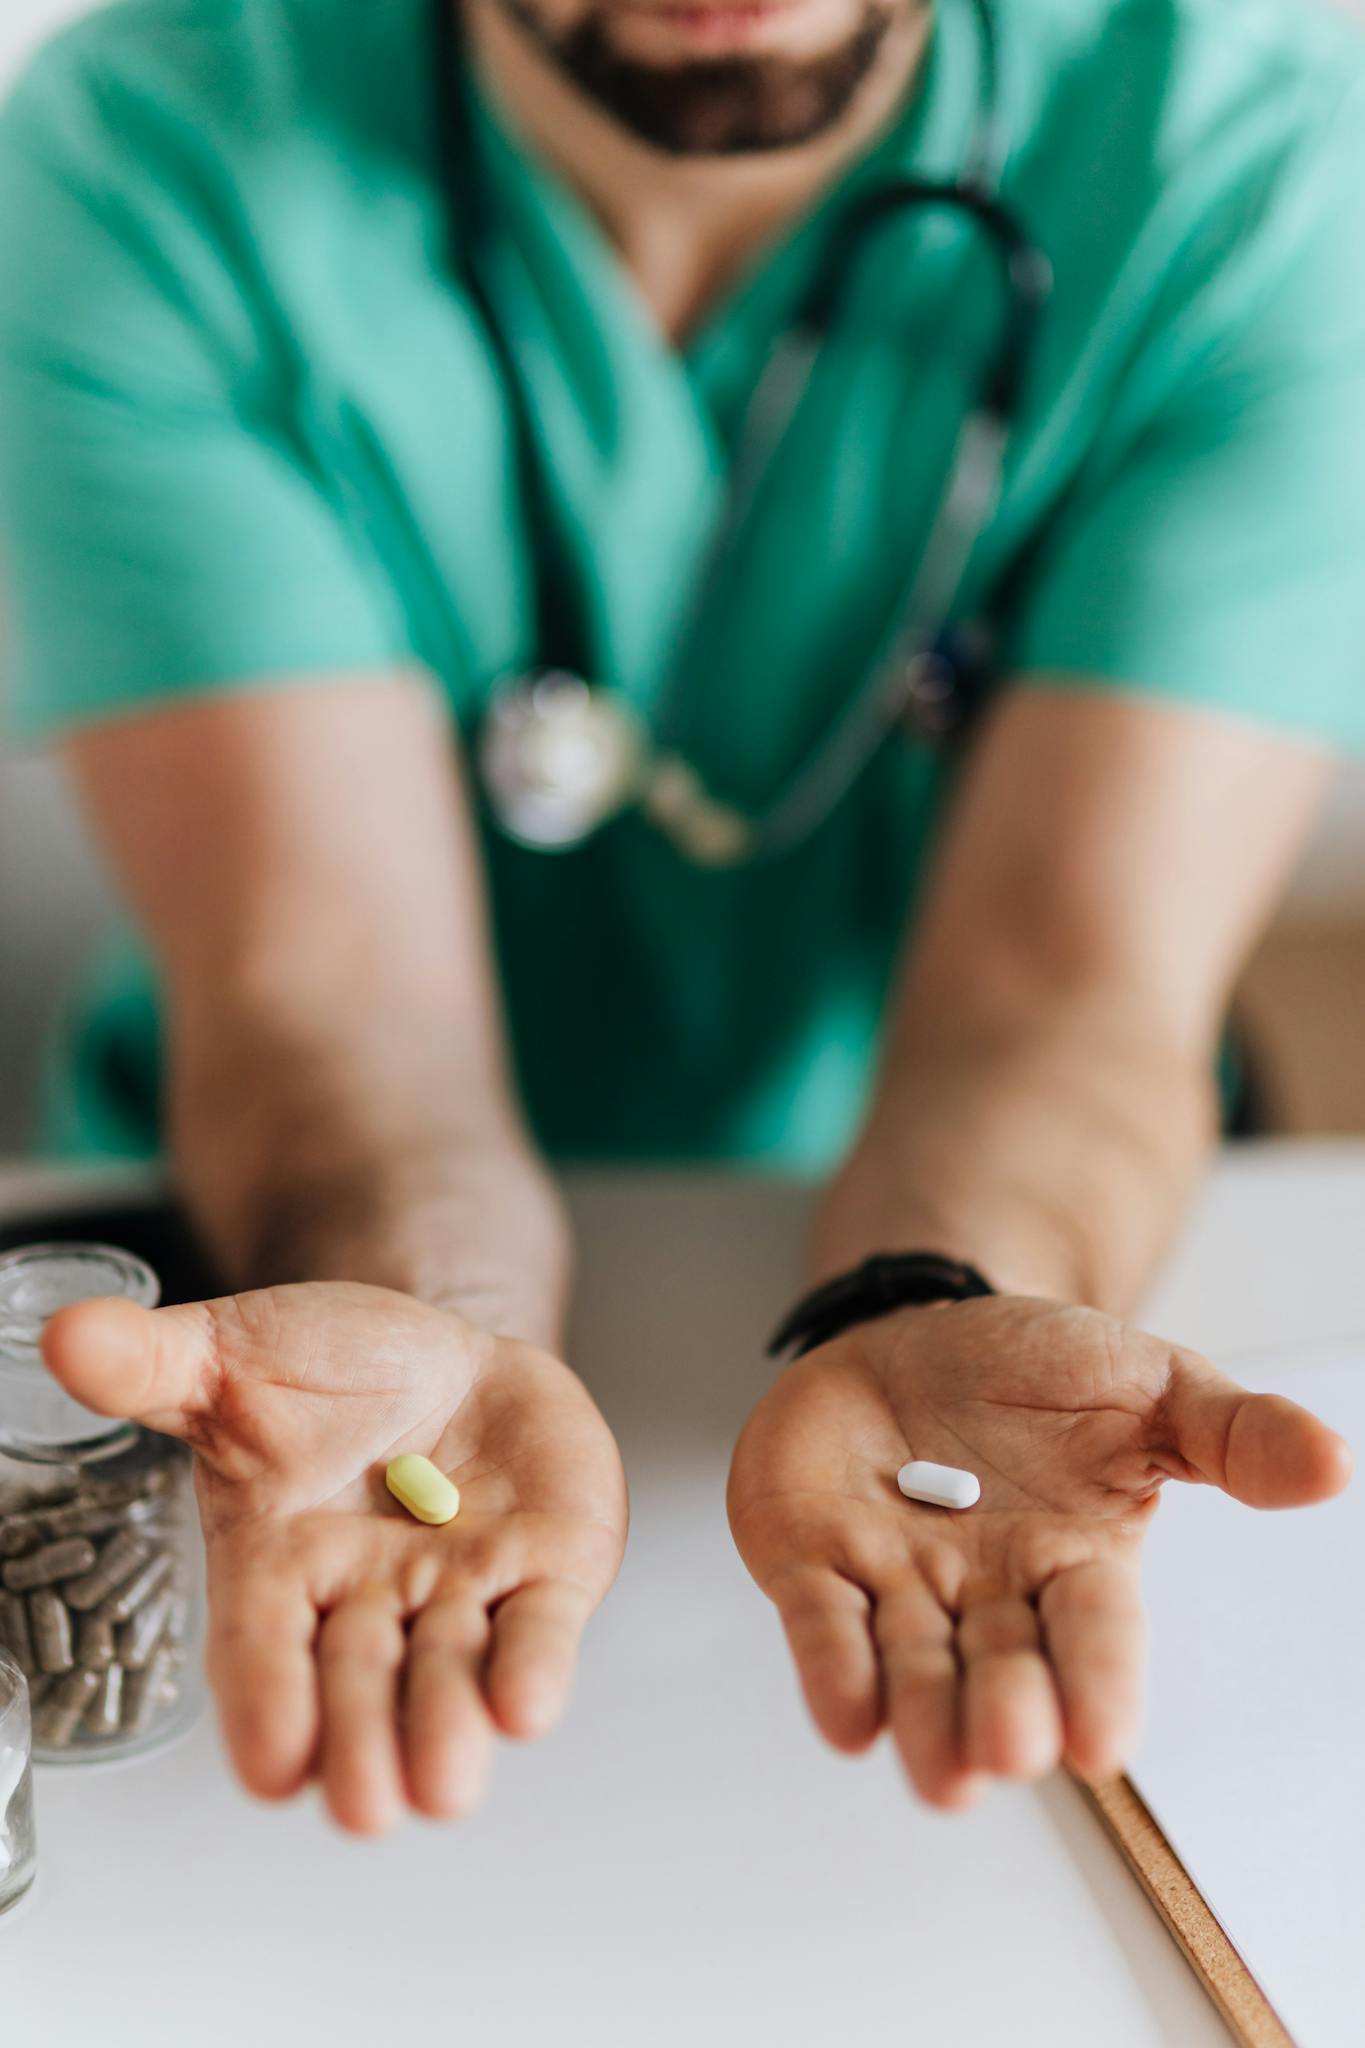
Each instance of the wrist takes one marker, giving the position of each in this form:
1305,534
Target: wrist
1056,1163
494,1245
478,1229
880,1286
1024,1244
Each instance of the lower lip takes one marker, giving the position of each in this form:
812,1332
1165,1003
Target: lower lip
716,28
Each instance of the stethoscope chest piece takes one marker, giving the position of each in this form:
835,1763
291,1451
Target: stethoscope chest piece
558,757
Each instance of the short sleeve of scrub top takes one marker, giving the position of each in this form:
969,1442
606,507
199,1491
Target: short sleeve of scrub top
250,432
1209,549
158,538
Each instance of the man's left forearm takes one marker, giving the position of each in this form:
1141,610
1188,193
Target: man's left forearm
1047,1101
1055,1147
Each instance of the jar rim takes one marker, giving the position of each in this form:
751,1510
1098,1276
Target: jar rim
38,1279
38,1418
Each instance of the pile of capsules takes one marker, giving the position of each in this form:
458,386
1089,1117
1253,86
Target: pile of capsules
95,1604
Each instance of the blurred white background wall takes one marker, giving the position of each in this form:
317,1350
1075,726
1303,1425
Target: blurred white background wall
52,899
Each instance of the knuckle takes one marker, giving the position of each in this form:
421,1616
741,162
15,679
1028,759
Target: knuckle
1001,1628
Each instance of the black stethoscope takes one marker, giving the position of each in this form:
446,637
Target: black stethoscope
558,756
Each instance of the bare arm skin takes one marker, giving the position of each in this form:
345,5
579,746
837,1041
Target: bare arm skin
1048,1101
343,1124
339,1102
1045,1107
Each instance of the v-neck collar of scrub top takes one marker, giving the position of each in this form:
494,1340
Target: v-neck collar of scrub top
608,391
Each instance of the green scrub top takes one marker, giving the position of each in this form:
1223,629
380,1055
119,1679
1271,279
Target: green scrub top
250,429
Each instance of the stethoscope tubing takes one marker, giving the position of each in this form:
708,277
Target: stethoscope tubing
915,642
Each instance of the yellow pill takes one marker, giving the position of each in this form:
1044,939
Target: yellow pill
423,1489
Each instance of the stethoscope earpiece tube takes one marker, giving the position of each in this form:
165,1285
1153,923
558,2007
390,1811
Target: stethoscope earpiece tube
1025,274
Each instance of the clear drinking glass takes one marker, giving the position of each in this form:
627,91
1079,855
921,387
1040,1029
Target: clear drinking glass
18,1851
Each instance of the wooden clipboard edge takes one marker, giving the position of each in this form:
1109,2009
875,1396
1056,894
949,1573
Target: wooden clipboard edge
1128,1820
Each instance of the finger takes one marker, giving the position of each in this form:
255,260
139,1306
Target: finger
536,1633
261,1666
1095,1635
448,1737
914,1632
1011,1720
828,1624
152,1365
360,1649
1260,1448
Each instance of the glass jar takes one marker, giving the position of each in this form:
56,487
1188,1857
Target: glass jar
100,1560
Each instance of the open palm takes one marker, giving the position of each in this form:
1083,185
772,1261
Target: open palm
1009,1637
346,1639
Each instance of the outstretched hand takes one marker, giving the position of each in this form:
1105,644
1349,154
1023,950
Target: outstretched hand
1009,1637
346,1640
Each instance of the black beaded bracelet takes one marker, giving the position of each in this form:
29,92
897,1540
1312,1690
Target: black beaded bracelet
888,1281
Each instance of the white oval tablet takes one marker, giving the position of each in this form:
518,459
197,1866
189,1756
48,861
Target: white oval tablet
942,1486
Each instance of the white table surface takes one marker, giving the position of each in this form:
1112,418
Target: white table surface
683,1863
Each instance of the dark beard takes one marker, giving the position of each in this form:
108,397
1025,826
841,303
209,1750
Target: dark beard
727,106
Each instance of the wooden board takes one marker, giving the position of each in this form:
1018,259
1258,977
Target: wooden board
1167,1883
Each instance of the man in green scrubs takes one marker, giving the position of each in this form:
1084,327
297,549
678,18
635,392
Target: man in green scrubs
268,540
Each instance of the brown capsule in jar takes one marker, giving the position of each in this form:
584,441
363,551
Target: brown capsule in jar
138,1486
138,1637
35,1496
15,1633
139,1590
107,1492
54,1561
110,1493
95,1641
143,1692
51,1626
121,1556
59,1716
105,1713
80,1518
20,1534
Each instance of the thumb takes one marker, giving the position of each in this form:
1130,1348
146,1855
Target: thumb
150,1365
1261,1448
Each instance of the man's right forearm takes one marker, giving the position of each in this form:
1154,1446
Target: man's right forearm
374,1152
306,867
